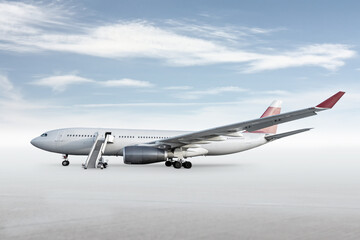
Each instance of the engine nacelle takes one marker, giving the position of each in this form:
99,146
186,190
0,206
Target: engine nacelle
143,155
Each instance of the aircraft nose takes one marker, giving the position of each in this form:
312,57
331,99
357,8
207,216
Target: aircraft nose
35,142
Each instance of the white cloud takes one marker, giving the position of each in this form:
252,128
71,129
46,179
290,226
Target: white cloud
194,29
126,82
153,104
22,18
7,89
178,88
233,34
328,56
206,92
273,92
261,30
61,82
28,28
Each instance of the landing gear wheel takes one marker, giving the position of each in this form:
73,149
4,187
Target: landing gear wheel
105,165
187,165
168,163
177,164
100,165
65,163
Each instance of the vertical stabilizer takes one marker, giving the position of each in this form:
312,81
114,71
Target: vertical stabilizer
273,109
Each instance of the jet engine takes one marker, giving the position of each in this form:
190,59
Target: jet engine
143,155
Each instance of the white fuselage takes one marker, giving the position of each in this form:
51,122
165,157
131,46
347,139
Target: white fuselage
79,141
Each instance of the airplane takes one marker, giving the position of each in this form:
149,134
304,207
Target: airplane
173,147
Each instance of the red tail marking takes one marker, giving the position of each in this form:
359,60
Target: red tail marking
271,111
274,109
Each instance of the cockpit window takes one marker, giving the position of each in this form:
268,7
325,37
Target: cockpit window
44,135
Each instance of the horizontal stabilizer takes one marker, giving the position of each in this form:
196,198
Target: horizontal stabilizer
286,134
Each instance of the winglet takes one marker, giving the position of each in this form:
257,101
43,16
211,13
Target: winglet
331,101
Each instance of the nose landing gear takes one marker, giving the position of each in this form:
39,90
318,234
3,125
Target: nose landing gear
66,161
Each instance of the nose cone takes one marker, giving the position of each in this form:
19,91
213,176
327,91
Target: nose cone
44,143
35,142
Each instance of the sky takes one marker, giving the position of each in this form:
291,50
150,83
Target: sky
186,65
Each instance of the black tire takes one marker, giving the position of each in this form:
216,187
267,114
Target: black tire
177,164
65,163
168,163
187,165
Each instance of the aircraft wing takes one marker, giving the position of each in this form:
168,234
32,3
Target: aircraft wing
219,133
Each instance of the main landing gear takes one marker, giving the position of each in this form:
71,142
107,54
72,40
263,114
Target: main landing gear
66,160
178,164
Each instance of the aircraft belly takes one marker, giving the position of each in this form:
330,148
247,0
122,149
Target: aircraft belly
233,145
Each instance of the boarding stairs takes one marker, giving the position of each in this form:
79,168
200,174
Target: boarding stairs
94,159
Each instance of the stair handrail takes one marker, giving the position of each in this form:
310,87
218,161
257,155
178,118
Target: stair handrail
92,150
102,150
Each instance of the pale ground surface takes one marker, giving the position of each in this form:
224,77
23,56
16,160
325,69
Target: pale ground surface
294,193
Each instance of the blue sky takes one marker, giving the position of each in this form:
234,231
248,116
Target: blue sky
172,64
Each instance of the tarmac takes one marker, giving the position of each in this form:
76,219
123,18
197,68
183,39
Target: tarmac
295,195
